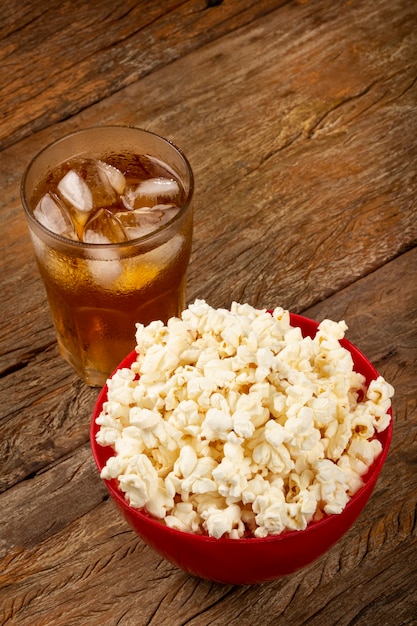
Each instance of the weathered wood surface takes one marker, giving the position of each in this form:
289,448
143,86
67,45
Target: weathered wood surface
300,121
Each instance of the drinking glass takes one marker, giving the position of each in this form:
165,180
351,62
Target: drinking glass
97,292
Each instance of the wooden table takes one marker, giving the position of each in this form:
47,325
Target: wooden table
300,121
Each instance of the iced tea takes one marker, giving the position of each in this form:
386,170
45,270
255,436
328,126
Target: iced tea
111,223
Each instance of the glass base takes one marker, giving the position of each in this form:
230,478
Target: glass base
91,377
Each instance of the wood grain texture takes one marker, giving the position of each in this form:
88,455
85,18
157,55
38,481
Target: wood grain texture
82,544
318,208
299,119
62,57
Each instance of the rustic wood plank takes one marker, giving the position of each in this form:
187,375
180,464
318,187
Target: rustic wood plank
57,502
98,550
332,206
299,120
45,414
59,554
97,50
331,162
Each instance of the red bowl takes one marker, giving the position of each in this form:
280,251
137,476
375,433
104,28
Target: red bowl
251,560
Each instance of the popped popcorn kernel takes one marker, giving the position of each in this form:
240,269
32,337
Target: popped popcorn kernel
230,423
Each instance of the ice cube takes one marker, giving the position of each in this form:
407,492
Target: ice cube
166,253
51,213
75,190
159,186
112,175
166,211
104,271
141,222
90,185
137,223
150,192
104,227
98,182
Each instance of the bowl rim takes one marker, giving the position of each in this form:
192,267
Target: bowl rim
371,475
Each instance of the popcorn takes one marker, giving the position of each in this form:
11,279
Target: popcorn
219,522
184,518
230,423
137,477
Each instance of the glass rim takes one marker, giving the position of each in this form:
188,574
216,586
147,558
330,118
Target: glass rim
105,246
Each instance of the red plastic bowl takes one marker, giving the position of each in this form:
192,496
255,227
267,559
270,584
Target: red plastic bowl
252,560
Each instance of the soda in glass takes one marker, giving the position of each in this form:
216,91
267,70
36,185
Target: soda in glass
110,217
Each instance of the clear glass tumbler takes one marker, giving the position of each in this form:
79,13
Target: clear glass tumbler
98,291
